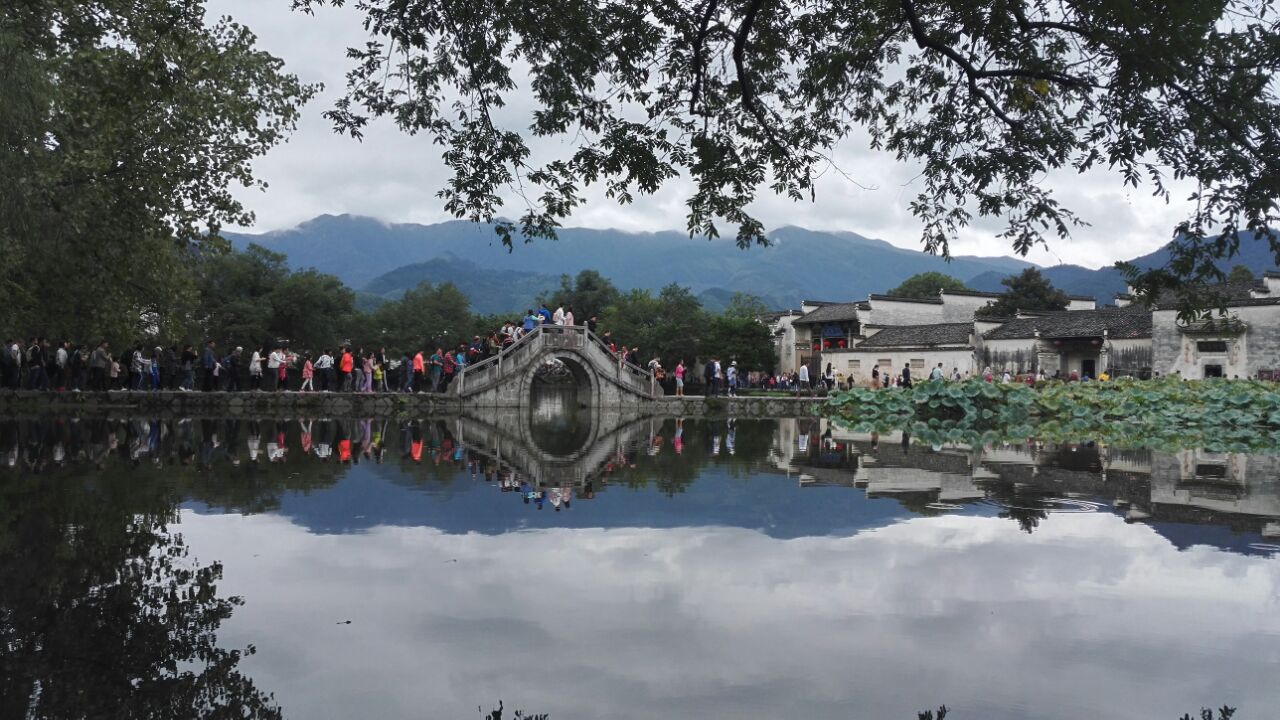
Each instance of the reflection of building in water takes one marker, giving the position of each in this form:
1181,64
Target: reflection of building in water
1239,491
1197,486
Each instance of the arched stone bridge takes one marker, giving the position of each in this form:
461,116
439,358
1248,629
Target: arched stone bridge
508,439
603,379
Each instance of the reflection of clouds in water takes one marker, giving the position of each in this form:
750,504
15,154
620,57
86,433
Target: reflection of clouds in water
725,622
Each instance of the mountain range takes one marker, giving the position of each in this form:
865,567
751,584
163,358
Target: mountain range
382,260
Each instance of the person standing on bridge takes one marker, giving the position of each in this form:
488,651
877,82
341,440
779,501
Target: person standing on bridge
437,369
680,378
414,371
209,361
709,378
308,377
558,316
345,366
568,315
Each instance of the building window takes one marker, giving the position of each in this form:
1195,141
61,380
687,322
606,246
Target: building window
885,363
917,364
854,365
1211,472
1212,346
1213,371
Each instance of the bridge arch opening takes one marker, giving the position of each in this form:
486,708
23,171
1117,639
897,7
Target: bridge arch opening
560,406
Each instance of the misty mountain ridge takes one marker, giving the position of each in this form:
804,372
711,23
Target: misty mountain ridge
382,260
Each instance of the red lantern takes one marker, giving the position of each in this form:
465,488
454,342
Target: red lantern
840,343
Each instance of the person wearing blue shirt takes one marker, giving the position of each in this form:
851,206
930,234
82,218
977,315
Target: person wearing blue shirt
208,361
545,314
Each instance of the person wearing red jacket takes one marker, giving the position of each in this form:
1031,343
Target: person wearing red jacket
345,366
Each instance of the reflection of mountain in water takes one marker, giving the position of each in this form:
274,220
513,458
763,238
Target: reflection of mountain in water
500,472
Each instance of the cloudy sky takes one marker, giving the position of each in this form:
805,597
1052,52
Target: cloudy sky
395,177
1087,617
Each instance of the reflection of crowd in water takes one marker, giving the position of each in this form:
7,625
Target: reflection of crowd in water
47,443
52,444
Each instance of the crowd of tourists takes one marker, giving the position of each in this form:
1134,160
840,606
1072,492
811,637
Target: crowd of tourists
39,364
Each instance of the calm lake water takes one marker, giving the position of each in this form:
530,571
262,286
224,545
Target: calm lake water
594,566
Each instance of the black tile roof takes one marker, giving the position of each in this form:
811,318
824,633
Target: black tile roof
837,312
893,298
1090,298
920,335
1242,302
1127,322
1228,293
973,293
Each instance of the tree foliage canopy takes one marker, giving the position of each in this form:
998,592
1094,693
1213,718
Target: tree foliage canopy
745,306
673,326
126,125
926,285
739,96
252,297
589,293
1240,274
1028,291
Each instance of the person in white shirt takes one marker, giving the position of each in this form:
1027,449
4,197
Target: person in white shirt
731,376
804,379
324,371
274,359
255,370
558,316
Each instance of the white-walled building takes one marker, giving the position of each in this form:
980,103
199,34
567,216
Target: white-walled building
1085,342
920,347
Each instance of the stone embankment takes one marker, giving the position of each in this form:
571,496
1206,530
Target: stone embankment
296,404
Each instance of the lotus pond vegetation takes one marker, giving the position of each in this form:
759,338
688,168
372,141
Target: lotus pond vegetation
1161,414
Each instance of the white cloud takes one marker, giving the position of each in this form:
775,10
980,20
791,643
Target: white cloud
395,177
1088,617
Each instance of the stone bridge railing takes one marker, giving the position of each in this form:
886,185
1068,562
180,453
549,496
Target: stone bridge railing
514,361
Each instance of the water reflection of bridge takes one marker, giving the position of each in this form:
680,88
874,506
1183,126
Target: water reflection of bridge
513,440
1237,490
